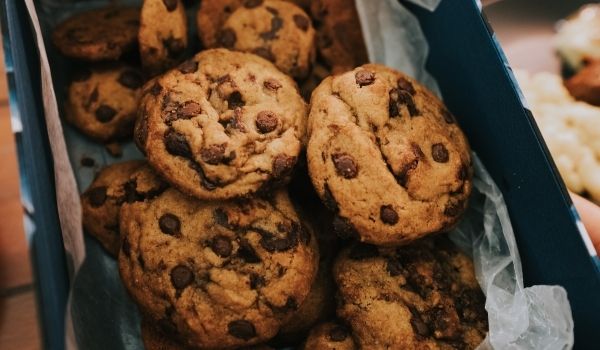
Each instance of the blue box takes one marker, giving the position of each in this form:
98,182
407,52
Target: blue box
477,86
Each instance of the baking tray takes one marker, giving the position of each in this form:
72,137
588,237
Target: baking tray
477,85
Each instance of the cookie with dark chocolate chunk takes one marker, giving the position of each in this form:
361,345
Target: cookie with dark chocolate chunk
220,274
387,156
222,125
420,296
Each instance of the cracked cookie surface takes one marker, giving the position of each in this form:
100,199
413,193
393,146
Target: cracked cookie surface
387,156
116,184
426,290
223,124
278,31
98,35
221,274
102,102
163,34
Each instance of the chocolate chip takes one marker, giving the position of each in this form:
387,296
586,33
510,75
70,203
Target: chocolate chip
328,199
170,224
174,46
404,84
241,329
343,228
213,154
247,253
282,165
256,281
97,196
272,10
188,67
395,267
338,333
221,245
181,276
188,109
272,84
235,100
388,215
399,98
344,165
131,79
265,53
301,22
226,38
364,77
155,89
204,181
448,117
105,113
362,251
290,305
250,4
418,325
171,5
176,144
266,121
220,217
272,243
439,153
141,132
87,162
276,24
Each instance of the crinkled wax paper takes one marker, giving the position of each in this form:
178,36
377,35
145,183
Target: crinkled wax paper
103,317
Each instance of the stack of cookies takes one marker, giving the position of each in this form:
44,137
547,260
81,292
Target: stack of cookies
257,220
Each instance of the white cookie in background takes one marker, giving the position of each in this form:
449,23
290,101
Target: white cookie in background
578,36
571,130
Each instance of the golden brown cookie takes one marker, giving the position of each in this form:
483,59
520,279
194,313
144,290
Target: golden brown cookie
98,35
223,124
330,336
221,274
278,31
420,296
163,34
102,102
340,40
387,156
116,184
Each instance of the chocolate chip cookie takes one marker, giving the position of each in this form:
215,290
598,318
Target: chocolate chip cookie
387,156
223,124
220,274
278,31
163,34
340,40
330,336
98,35
102,102
116,184
420,296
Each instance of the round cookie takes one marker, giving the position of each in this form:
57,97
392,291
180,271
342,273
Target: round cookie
387,156
340,40
116,184
219,274
224,124
163,34
420,296
102,102
98,35
330,336
278,31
